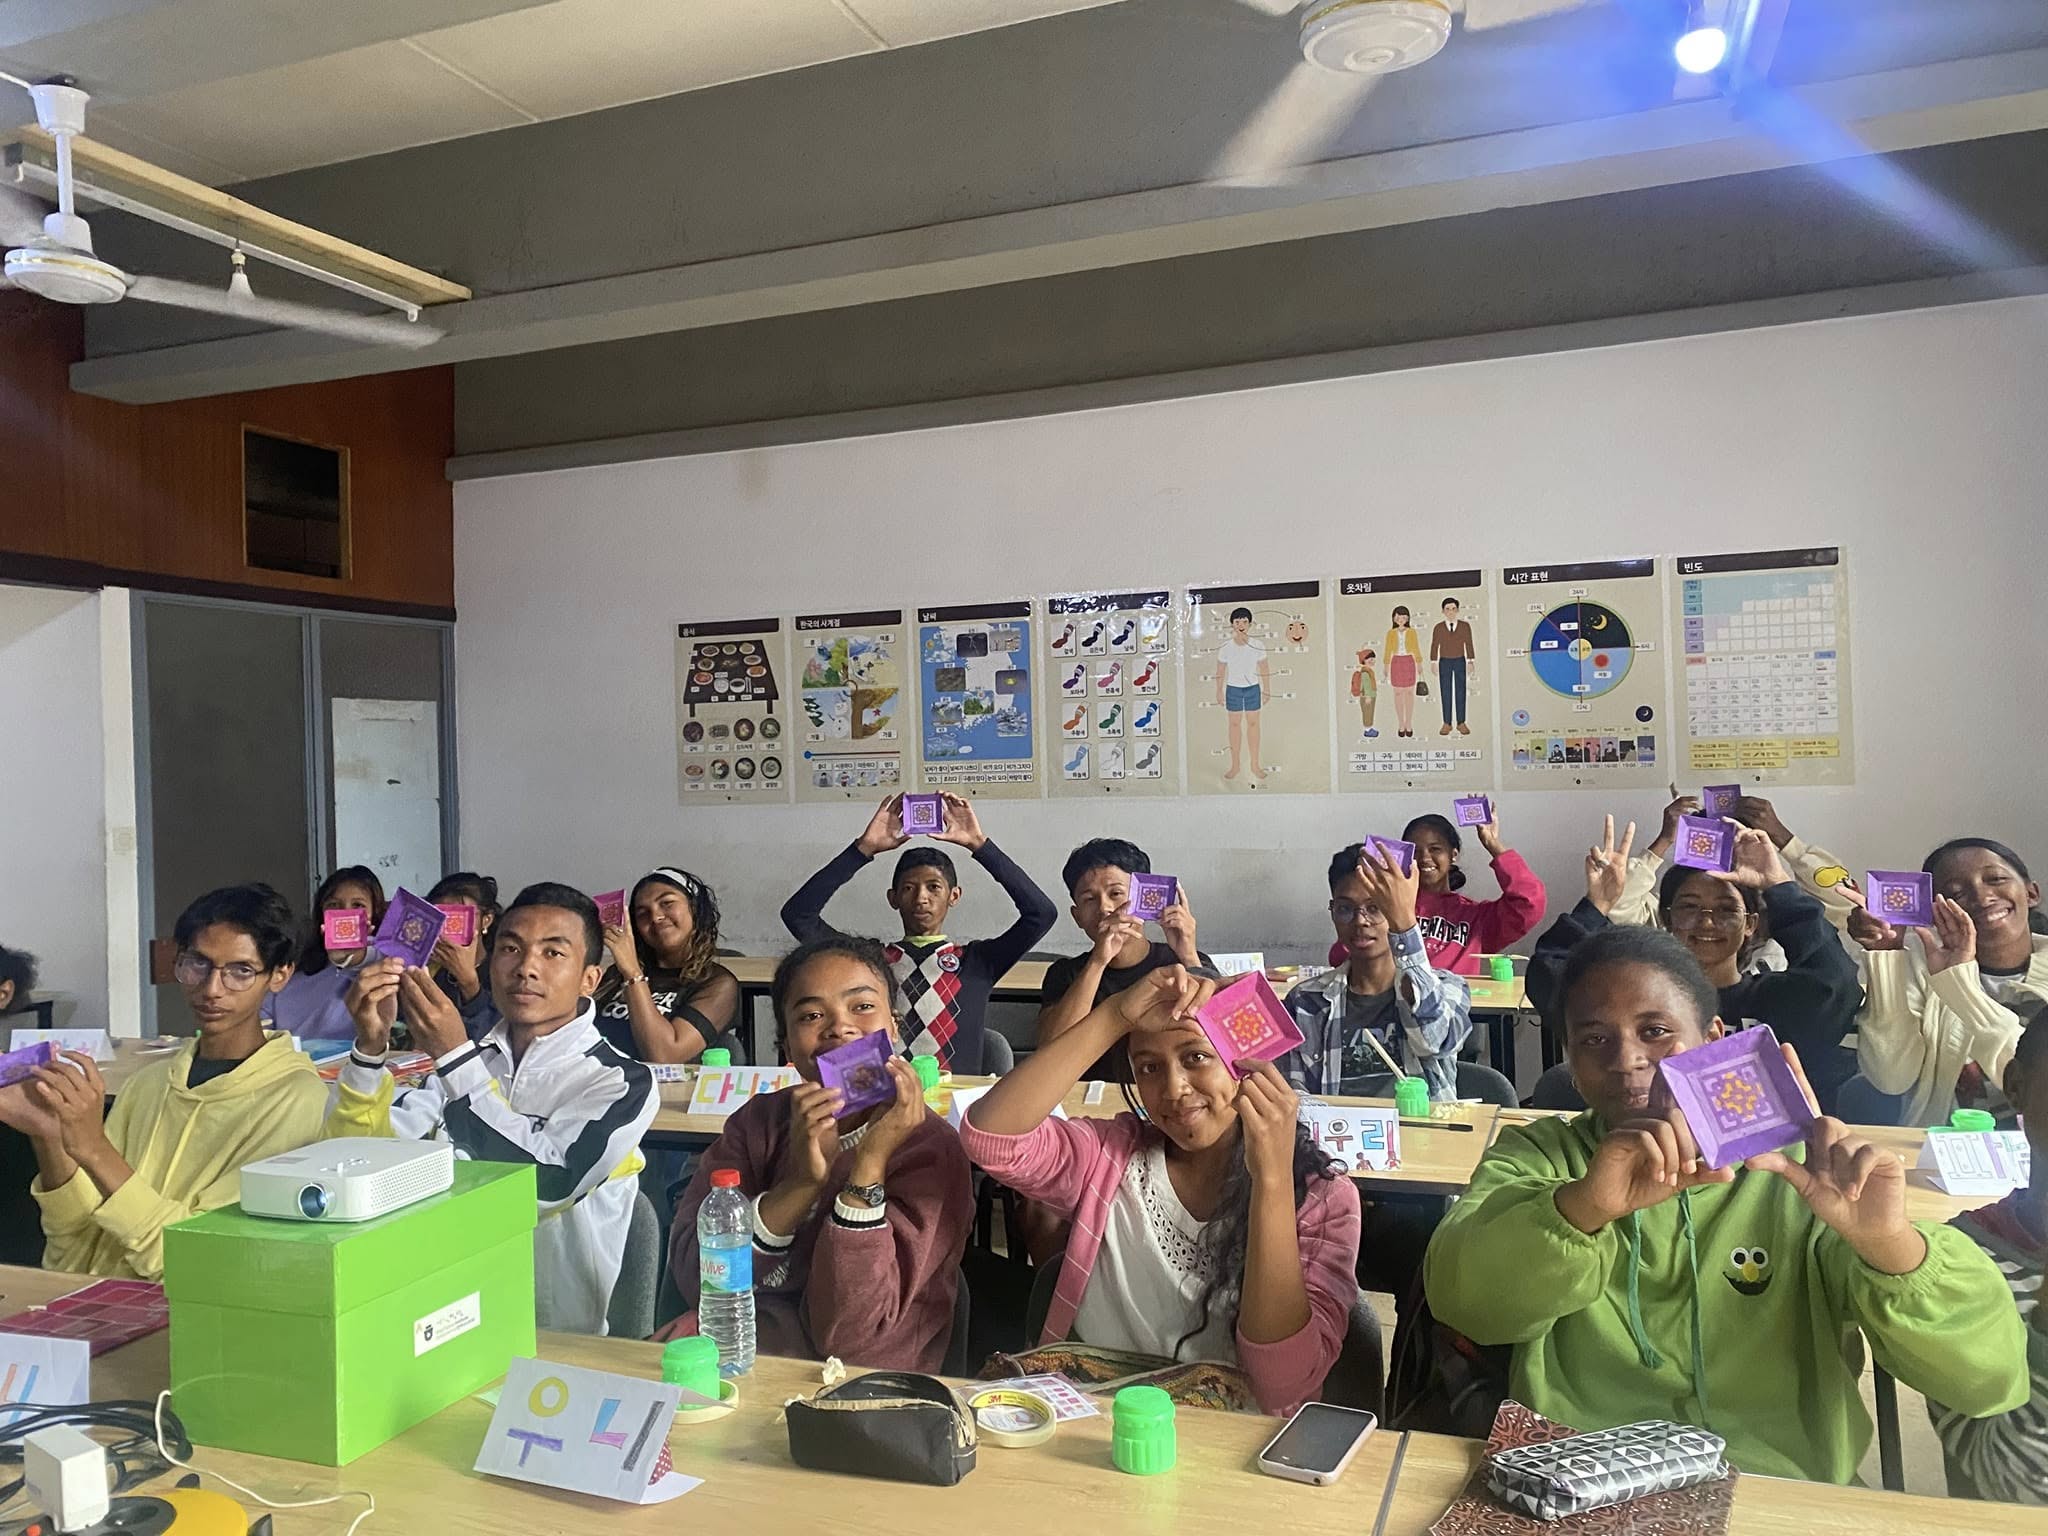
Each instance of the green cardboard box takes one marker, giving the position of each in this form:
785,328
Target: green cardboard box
319,1341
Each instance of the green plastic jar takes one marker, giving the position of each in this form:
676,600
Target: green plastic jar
717,1056
691,1364
1972,1120
1411,1098
1142,1439
927,1070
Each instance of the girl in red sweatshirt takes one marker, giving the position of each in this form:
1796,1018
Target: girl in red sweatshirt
1456,930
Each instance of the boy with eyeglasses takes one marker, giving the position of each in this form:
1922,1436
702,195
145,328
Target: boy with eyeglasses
109,1183
1386,988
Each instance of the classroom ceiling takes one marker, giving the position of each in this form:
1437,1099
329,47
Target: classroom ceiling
1075,152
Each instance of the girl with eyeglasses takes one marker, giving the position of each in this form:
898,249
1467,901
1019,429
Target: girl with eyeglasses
109,1182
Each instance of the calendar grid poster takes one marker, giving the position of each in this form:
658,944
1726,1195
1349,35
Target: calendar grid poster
1763,643
977,719
1414,681
1113,691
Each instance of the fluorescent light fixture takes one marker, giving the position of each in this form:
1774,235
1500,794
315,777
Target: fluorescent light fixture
1701,51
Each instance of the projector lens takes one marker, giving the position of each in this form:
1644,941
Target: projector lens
313,1202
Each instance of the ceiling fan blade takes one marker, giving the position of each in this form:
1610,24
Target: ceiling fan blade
1293,127
383,331
1481,15
21,217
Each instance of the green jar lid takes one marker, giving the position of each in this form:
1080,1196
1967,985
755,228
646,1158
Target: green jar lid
1501,967
717,1056
1411,1098
1972,1120
927,1070
1142,1440
687,1362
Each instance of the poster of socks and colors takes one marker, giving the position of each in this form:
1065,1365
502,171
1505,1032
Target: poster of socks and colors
1763,666
1112,691
853,717
977,719
1414,699
732,734
1256,688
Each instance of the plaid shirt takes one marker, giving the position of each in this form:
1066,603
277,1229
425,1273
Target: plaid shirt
1434,1009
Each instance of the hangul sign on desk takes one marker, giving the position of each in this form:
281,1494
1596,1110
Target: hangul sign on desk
1978,1162
585,1431
96,1043
45,1372
1363,1140
1238,962
721,1090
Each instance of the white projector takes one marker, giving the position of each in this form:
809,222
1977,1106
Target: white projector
350,1178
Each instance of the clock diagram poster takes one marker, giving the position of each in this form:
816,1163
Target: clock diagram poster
852,717
1113,694
1583,698
1764,645
976,731
1257,688
731,737
1413,699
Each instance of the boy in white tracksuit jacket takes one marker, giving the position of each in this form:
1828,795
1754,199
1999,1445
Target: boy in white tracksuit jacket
543,1087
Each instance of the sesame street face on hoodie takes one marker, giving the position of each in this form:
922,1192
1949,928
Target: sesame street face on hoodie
1749,1270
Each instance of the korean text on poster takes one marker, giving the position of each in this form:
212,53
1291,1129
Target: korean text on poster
1255,691
852,718
1413,703
1114,695
977,731
731,735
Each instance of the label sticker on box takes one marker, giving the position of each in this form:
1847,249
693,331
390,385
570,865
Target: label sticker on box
451,1322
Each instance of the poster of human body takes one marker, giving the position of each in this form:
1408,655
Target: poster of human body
853,713
1113,692
1412,708
977,731
1256,689
1582,696
1764,642
731,735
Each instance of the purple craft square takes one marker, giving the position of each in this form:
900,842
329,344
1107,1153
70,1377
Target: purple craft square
1720,799
923,815
1904,898
410,929
1738,1095
19,1066
1472,810
611,908
1704,842
1152,895
344,928
859,1069
1402,854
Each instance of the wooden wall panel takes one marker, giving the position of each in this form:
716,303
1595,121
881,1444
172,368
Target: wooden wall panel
153,494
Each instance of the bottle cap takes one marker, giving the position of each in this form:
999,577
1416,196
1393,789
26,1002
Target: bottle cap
927,1070
691,1363
717,1056
1972,1120
725,1178
1142,1439
1411,1098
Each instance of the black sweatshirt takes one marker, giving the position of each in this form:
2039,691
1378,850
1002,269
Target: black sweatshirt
945,986
1810,1004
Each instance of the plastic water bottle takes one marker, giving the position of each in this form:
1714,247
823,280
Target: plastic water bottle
725,1271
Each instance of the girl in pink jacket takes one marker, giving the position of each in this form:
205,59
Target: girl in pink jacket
1210,1230
1456,930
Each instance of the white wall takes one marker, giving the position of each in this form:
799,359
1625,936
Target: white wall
1919,440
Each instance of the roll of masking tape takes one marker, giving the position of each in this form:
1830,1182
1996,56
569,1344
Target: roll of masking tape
1006,1417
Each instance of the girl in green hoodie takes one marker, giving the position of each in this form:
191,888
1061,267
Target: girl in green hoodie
1636,1283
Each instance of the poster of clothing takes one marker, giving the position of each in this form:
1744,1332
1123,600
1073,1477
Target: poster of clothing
1413,698
1763,647
1583,698
732,743
852,712
1256,689
1113,691
977,731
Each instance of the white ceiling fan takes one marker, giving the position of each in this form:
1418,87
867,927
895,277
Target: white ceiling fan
1346,46
51,255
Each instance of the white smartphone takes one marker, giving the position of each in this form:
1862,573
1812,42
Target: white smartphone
1317,1444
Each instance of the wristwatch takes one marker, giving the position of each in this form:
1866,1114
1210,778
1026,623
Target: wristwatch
869,1195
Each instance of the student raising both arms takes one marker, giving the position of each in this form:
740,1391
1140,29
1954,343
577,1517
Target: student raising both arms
1457,930
859,1220
176,1139
1636,1283
1940,1023
667,999
945,986
1211,1229
313,1005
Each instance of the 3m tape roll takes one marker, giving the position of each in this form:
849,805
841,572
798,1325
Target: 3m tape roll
1006,1417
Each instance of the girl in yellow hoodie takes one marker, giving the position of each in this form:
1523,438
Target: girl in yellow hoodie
182,1129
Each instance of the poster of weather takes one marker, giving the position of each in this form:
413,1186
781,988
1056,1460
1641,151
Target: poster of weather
1113,694
1256,688
852,715
977,734
731,734
1763,646
1583,700
1413,695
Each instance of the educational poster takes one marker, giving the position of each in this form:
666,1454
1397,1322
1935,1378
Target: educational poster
1764,641
852,715
1583,699
731,737
1414,703
977,735
1113,691
1256,690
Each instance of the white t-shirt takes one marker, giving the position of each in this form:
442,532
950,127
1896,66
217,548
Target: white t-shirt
1145,1289
1241,661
